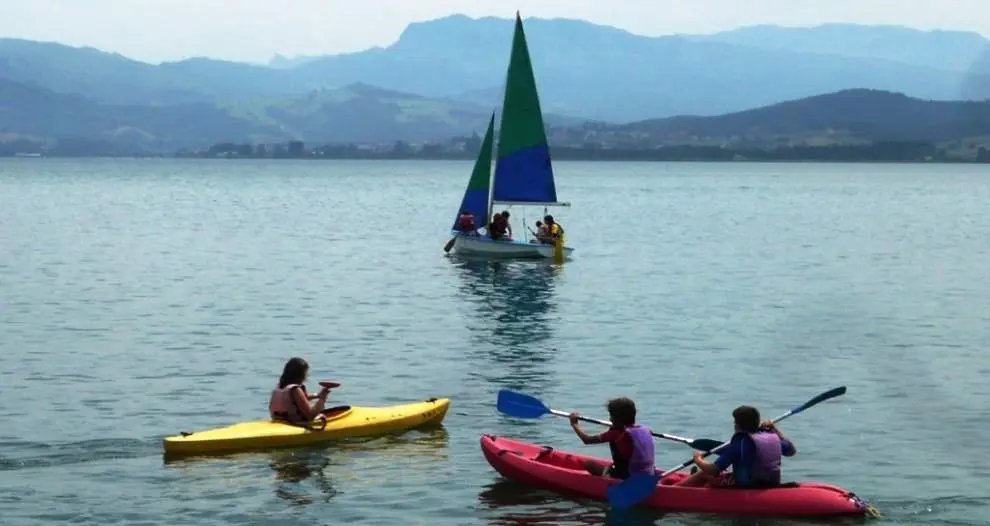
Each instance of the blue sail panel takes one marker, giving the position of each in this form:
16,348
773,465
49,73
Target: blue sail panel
475,202
476,195
525,175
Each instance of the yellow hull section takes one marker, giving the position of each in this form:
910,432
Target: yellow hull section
355,422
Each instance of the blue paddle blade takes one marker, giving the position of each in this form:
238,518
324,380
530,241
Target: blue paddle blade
633,490
827,395
520,405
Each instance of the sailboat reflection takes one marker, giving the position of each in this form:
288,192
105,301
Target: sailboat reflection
514,320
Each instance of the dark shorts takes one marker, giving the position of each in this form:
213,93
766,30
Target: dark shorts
610,471
728,480
723,480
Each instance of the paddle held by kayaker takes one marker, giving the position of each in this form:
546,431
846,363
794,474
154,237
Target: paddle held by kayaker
754,452
290,401
631,444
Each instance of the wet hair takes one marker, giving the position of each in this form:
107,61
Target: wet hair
294,372
747,418
622,410
548,218
505,213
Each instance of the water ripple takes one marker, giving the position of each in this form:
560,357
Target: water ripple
141,298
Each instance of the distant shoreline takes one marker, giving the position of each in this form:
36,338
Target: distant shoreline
466,159
903,151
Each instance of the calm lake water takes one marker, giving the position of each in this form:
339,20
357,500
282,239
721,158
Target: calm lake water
141,298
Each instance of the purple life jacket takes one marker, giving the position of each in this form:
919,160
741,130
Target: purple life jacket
642,458
766,466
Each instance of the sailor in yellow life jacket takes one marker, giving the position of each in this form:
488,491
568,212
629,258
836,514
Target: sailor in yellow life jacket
554,230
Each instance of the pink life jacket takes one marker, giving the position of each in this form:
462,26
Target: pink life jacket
282,406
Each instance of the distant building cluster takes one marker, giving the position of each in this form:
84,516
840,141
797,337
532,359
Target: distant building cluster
455,148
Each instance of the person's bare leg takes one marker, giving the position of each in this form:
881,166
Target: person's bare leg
595,468
695,480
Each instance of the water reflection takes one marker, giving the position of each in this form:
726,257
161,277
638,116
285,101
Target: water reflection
518,504
293,468
513,319
509,503
318,474
358,462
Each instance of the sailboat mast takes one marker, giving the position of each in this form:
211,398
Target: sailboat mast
491,180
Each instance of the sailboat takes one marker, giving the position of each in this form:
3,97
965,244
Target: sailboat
523,170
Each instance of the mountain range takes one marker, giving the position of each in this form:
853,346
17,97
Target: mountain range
443,77
857,116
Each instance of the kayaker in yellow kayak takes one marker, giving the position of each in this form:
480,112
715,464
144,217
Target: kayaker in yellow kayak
754,453
631,444
290,401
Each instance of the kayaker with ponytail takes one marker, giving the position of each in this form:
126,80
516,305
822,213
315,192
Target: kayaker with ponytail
631,443
754,452
289,401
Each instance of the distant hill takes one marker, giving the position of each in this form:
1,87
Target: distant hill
846,117
959,51
362,113
358,113
36,113
583,70
605,73
281,62
101,76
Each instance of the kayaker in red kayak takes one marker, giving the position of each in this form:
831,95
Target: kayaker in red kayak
631,444
754,453
290,401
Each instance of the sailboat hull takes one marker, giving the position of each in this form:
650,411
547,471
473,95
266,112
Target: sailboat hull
487,247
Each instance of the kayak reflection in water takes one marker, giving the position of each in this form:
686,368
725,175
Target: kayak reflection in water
631,444
754,453
290,401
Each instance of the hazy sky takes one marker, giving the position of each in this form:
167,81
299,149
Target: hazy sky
254,30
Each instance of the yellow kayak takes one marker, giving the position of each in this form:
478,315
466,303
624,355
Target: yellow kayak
343,422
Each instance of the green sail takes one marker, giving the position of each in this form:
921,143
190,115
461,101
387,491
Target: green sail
476,196
523,171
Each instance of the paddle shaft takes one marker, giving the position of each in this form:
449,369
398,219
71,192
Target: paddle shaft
664,436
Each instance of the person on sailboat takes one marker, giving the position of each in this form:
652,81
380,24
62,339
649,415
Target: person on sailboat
499,227
508,226
466,225
554,230
541,235
496,228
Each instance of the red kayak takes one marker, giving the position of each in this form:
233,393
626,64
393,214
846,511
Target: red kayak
547,468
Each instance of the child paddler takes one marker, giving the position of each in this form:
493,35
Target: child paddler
754,453
290,402
631,443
